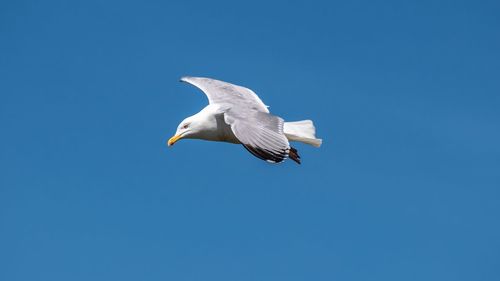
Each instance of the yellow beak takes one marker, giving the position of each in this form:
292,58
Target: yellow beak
173,140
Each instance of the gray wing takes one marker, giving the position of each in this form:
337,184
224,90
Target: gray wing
219,92
260,133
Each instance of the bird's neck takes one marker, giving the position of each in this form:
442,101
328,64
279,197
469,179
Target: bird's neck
214,126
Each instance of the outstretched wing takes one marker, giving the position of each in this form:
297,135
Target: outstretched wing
219,92
260,133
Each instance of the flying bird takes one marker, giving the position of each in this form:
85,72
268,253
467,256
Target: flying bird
235,114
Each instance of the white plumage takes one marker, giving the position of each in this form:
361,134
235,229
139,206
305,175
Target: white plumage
235,114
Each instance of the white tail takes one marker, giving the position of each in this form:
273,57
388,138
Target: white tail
302,131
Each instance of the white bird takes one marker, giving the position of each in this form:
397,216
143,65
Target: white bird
235,114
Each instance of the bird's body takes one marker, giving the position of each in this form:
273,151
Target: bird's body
236,115
215,128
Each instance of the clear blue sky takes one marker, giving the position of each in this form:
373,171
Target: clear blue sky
405,94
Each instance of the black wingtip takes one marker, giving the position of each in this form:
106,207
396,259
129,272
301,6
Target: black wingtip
294,155
265,154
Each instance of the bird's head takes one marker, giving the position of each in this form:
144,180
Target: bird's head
189,128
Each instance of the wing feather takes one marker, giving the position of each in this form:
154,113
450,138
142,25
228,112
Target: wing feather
260,133
220,92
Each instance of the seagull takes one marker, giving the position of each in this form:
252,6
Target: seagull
236,114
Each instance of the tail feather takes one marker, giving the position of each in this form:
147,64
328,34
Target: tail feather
302,131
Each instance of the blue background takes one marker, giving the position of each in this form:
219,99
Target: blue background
405,94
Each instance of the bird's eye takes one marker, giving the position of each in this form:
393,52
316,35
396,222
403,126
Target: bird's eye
185,126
